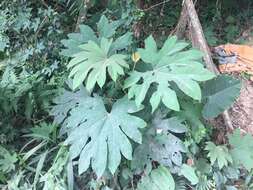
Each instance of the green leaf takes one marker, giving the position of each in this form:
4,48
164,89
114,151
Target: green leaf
105,28
189,173
75,39
220,94
218,154
4,41
42,131
7,160
169,64
122,42
242,149
191,113
159,179
93,62
39,168
173,124
165,149
97,136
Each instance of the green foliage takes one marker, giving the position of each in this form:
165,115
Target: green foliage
189,173
169,64
96,55
53,178
7,160
204,184
159,179
95,59
241,151
98,136
95,137
218,154
4,40
220,93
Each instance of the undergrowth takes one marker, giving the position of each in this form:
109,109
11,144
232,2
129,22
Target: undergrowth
120,104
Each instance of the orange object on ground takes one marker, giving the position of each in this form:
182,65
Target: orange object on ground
235,58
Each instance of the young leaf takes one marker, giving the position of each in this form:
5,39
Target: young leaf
75,39
169,64
99,137
220,93
218,153
159,179
105,28
7,160
242,147
93,62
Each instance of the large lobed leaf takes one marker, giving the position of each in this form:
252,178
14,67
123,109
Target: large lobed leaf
93,62
93,55
105,28
220,93
169,64
98,137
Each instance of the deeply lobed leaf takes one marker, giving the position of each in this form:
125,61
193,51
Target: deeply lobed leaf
169,64
98,137
93,62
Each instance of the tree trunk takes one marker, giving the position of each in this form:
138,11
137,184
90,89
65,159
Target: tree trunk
82,14
189,16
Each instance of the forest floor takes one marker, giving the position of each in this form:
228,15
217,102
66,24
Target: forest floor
241,112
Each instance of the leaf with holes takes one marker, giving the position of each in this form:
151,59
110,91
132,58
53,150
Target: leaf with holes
164,148
97,136
169,64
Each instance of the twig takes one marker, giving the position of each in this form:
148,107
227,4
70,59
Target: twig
158,4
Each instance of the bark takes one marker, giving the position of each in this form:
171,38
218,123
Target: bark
189,16
182,23
197,35
82,14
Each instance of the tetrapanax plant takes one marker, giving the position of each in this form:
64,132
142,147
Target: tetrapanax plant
101,133
171,63
93,55
97,136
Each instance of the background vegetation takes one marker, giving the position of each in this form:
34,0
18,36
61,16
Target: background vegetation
44,100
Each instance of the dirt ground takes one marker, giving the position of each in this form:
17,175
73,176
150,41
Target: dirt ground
242,111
